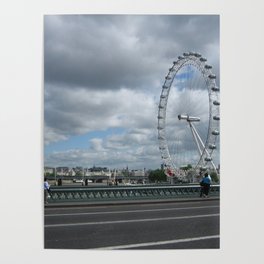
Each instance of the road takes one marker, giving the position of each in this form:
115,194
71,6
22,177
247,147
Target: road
179,225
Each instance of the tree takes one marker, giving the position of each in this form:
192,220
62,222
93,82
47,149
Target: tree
49,174
187,167
157,175
214,176
79,173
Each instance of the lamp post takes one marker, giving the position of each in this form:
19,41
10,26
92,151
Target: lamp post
55,176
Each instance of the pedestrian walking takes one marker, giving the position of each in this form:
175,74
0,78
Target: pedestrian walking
205,185
46,190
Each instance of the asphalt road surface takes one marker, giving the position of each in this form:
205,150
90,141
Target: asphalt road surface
181,225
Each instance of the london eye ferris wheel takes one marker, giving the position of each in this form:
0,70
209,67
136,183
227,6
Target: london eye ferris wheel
188,115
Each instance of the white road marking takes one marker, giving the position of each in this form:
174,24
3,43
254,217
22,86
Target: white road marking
134,211
157,243
132,221
73,208
115,206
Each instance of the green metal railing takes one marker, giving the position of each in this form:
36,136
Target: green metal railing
86,194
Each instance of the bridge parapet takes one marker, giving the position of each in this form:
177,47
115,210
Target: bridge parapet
86,194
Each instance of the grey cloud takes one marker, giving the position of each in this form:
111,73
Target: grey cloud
109,52
104,71
95,56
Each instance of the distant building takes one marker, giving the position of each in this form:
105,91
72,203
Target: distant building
71,172
98,171
78,171
49,170
138,173
62,171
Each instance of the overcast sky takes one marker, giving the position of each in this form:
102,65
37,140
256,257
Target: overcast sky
102,82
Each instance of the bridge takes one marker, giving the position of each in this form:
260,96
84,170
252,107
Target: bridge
126,217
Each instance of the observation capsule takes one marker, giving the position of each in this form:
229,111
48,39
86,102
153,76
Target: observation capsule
212,76
198,55
206,66
217,118
161,106
171,69
163,96
203,59
208,159
180,58
160,127
215,132
191,53
168,78
165,87
216,102
186,54
160,117
215,89
212,146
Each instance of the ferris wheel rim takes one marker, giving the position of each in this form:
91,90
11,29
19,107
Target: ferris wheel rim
199,62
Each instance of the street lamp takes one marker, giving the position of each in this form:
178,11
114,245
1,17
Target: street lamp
55,176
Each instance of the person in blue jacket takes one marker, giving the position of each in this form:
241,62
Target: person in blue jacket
46,190
205,185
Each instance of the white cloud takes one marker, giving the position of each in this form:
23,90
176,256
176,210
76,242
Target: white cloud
96,144
80,111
